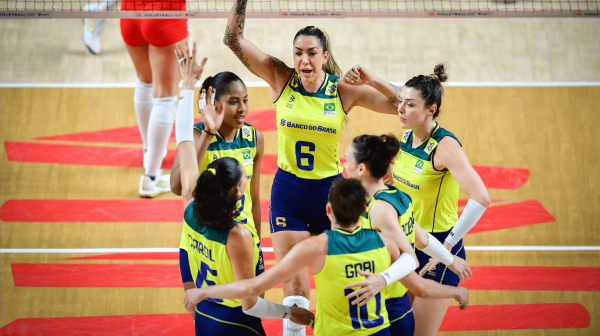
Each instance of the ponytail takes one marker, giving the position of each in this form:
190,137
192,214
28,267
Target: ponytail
376,152
330,67
215,196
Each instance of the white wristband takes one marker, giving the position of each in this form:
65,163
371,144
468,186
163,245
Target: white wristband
402,267
184,121
436,250
269,310
469,217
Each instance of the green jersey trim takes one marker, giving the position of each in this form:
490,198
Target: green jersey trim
343,242
224,145
400,203
208,233
419,152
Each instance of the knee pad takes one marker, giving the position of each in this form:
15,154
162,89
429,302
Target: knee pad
164,110
142,92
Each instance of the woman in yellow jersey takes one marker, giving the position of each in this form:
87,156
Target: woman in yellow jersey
391,212
234,138
220,248
311,105
430,168
335,258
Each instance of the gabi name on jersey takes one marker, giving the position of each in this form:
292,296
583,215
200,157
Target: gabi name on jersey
198,246
414,186
290,124
352,269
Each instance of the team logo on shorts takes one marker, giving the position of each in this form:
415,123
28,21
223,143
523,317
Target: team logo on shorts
329,109
419,166
247,156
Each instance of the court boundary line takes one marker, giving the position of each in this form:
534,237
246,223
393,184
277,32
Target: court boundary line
270,249
264,84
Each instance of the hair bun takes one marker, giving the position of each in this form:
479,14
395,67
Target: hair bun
439,73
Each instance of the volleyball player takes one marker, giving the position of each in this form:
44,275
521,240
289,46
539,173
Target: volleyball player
234,138
391,212
336,258
221,249
430,168
311,105
150,43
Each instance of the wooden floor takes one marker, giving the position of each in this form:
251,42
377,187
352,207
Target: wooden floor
549,131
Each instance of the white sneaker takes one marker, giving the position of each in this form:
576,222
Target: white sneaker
92,30
150,189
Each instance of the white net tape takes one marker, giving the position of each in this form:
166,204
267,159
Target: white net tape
314,8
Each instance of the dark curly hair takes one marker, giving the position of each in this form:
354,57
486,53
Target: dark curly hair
215,196
430,87
376,152
348,199
221,82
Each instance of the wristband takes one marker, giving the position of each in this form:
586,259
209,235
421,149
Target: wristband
436,250
207,132
184,120
469,217
402,267
269,310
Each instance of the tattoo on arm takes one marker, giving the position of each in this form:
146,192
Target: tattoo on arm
397,90
281,68
233,36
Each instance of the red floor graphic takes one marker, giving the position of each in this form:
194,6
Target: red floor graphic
484,317
512,215
534,278
502,177
131,256
92,211
263,120
167,275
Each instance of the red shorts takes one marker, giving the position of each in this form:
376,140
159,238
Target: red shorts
157,32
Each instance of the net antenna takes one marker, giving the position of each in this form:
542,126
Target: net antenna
34,9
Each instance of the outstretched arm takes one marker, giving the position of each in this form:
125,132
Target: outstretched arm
269,68
359,87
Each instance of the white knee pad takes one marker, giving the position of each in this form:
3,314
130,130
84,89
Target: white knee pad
164,110
290,328
142,93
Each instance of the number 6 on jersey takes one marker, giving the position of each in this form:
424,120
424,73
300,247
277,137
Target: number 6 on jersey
302,147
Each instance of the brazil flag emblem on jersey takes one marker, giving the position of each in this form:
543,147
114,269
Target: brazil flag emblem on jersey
419,166
247,156
329,109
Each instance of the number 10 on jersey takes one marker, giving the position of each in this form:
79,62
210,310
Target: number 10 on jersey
304,159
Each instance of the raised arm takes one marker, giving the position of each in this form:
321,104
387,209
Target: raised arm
359,87
255,183
269,68
190,74
176,173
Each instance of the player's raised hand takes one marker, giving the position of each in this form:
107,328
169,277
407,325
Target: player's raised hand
372,285
191,298
211,117
190,70
357,76
302,316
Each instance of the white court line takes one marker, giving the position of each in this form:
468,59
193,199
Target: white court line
270,249
264,84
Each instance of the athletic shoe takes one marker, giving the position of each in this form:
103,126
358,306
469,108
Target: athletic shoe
150,189
92,30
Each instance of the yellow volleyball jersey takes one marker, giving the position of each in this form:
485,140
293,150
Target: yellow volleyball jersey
308,129
242,148
403,205
434,193
207,255
346,253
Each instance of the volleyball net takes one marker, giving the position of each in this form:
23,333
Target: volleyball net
29,9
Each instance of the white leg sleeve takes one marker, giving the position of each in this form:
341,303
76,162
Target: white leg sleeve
159,132
142,104
290,328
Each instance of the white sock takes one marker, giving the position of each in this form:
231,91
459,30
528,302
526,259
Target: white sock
159,132
142,104
290,328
